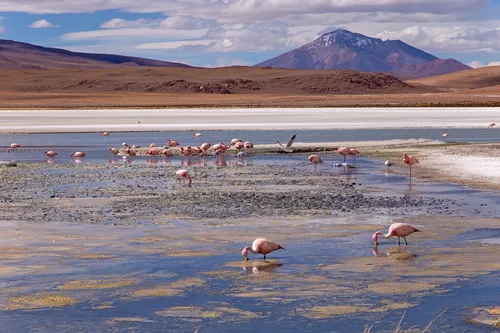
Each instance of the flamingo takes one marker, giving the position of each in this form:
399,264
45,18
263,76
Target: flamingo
344,151
353,153
183,174
396,230
77,154
153,152
197,135
262,246
492,125
13,146
234,142
50,153
248,145
106,133
287,148
388,163
124,144
172,143
239,145
130,152
410,160
444,134
165,152
204,147
153,145
315,159
114,151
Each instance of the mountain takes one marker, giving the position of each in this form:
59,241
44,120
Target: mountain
22,55
343,49
431,68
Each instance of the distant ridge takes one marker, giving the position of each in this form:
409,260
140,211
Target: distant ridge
22,55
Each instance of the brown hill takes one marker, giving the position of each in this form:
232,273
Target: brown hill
431,68
21,55
465,80
230,80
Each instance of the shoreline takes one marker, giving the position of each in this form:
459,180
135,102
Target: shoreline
271,119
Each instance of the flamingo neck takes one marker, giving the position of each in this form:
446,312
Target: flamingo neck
249,248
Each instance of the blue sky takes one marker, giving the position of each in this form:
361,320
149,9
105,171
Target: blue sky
245,32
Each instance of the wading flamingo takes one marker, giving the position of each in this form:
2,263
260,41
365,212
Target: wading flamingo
172,143
234,142
388,163
153,145
396,230
197,135
77,154
492,125
106,133
124,144
50,153
410,160
183,174
153,152
114,151
344,151
444,134
13,146
166,152
262,246
239,145
353,153
315,159
287,148
248,145
130,152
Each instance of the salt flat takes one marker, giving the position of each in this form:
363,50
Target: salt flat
242,119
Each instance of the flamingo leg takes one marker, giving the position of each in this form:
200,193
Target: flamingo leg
344,158
264,257
410,172
399,240
405,241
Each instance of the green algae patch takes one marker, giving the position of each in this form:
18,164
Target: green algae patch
95,256
39,301
191,313
158,291
97,284
395,287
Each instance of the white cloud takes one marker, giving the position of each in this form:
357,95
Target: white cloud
117,23
173,45
478,64
134,33
42,24
451,39
186,22
246,10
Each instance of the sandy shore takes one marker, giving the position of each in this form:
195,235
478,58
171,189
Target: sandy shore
38,121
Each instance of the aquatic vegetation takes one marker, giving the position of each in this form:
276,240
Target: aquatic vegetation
40,300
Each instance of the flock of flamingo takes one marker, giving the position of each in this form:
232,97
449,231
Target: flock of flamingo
260,245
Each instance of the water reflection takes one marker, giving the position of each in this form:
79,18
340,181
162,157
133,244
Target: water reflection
268,267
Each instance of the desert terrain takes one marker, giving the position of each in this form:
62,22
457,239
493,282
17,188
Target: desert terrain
240,87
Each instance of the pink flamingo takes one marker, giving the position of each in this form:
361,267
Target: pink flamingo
353,153
315,159
153,145
410,160
114,151
50,153
492,125
130,152
248,145
13,146
106,133
444,134
262,246
396,230
239,145
204,148
153,152
77,154
234,142
166,152
183,174
197,135
344,151
172,143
